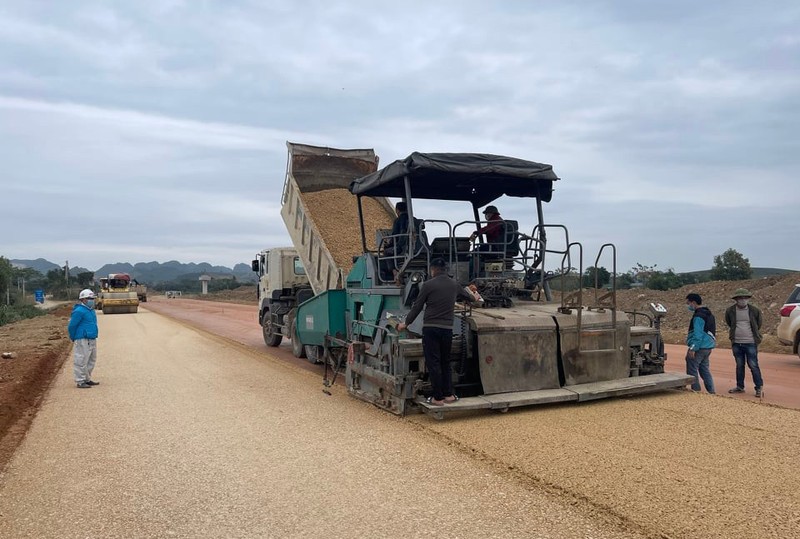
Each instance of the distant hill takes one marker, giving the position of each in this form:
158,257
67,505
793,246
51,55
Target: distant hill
43,266
758,273
155,272
149,272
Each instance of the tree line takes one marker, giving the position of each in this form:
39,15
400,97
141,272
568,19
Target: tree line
728,266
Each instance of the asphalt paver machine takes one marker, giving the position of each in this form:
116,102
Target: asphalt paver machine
521,347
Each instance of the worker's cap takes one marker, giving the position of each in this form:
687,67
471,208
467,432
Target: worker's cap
440,263
86,294
741,293
490,210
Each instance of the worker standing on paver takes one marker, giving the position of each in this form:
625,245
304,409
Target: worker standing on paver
437,296
701,340
744,321
83,333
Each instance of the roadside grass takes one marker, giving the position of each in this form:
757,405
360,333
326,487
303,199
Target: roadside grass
14,313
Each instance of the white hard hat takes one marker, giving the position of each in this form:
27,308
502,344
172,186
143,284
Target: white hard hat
86,293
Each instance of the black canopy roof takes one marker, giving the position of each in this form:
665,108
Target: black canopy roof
476,177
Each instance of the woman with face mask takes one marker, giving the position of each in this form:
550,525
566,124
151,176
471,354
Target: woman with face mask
744,321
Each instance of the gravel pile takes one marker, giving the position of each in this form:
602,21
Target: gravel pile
335,213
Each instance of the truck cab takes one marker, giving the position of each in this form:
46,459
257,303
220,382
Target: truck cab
282,284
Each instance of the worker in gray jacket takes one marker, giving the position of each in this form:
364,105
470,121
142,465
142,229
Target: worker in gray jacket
744,321
438,296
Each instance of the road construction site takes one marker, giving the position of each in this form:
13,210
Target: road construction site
214,421
192,433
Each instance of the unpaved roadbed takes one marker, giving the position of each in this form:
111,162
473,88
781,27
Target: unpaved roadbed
678,463
190,435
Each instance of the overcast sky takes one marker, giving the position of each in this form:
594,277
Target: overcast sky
156,131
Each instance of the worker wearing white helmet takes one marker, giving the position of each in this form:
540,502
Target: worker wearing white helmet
83,332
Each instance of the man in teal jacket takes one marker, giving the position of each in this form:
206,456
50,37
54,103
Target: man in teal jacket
701,339
83,332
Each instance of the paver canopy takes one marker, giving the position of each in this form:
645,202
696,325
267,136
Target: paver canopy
475,177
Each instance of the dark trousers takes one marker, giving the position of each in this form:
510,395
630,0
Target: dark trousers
747,353
437,343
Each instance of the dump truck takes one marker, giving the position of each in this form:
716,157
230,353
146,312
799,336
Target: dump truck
140,289
116,295
318,211
523,346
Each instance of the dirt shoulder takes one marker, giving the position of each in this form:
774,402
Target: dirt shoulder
38,348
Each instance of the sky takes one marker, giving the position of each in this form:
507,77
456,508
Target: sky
156,131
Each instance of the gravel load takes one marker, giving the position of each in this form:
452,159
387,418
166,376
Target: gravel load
335,213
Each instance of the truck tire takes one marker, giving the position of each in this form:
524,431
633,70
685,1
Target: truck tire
271,337
314,353
298,349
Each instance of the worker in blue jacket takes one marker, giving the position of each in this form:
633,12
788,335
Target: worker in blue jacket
701,340
83,332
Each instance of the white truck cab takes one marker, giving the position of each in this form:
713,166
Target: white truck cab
278,269
282,284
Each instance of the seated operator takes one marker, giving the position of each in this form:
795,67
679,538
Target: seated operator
493,230
397,242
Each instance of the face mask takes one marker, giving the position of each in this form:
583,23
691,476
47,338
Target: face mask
741,302
90,303
690,308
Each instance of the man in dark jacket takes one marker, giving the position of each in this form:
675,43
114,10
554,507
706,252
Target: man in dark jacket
82,330
396,246
744,322
438,295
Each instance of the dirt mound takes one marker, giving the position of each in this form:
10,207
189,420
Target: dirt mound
769,293
244,294
38,348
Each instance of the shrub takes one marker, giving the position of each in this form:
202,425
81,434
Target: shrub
14,313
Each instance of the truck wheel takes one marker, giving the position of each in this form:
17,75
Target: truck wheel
297,347
270,336
314,353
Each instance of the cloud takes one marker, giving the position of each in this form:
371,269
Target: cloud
170,118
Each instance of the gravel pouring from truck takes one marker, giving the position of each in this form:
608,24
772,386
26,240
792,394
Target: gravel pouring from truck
521,349
318,211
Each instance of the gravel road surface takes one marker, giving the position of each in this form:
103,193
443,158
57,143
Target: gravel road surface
191,435
676,464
